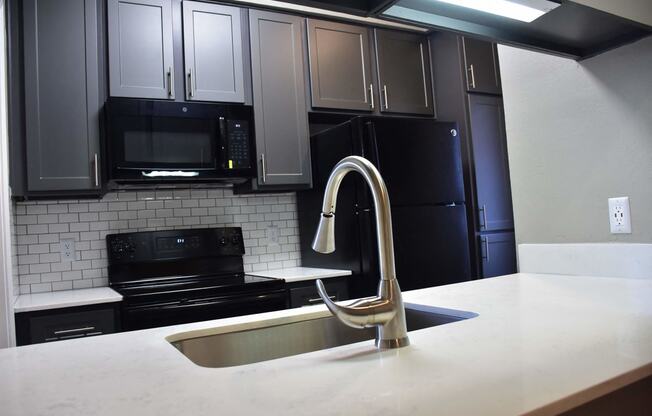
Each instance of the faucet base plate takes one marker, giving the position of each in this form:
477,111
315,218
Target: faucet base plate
392,343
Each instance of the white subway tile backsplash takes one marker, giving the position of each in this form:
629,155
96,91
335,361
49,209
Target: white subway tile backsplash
39,226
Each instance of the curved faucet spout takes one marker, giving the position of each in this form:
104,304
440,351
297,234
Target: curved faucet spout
364,313
385,311
324,241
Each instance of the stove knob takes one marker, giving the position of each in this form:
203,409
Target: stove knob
235,239
222,241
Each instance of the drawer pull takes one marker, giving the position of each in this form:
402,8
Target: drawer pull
70,331
72,336
319,300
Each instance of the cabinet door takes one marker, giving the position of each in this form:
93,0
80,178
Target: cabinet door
212,44
489,144
404,72
498,254
340,66
61,94
140,48
482,72
280,110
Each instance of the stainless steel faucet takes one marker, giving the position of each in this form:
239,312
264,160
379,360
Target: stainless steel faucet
385,311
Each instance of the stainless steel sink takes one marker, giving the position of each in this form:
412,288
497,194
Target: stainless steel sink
275,340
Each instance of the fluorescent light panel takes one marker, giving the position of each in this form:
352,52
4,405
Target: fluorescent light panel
523,10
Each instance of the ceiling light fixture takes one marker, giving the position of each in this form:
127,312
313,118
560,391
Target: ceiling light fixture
523,10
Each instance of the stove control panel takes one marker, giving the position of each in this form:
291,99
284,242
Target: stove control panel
174,244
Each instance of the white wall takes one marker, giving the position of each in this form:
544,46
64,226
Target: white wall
7,296
579,133
637,10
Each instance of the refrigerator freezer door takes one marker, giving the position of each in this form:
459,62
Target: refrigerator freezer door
431,246
420,160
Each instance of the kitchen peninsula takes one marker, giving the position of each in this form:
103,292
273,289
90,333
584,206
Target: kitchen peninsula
536,347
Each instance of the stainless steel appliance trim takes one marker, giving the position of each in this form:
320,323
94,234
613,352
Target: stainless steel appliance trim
169,174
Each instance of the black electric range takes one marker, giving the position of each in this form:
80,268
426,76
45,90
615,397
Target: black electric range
181,276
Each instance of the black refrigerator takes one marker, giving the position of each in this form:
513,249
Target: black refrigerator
421,164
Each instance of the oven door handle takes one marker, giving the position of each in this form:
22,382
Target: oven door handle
279,294
169,174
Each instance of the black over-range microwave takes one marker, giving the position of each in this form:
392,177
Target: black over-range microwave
148,141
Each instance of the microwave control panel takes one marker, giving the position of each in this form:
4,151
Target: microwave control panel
236,150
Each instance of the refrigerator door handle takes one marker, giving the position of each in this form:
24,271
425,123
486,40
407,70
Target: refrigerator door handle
373,144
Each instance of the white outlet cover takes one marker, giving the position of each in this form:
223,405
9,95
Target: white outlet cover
272,234
620,220
67,249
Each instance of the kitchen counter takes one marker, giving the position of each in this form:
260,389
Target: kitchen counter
540,344
299,274
65,299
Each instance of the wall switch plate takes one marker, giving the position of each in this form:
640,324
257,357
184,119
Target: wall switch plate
272,233
67,249
620,220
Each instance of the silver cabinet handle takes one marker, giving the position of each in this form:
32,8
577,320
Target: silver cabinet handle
262,165
386,99
472,76
70,331
190,90
319,300
169,76
485,241
97,171
371,93
423,73
484,217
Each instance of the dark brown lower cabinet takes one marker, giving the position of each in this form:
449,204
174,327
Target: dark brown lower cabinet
498,251
66,323
305,293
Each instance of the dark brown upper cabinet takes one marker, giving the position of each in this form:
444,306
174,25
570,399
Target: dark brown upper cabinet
140,49
340,66
280,108
404,72
212,38
481,63
62,95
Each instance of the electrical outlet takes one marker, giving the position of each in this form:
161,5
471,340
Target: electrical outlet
620,220
67,249
272,233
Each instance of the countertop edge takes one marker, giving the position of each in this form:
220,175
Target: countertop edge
592,393
109,297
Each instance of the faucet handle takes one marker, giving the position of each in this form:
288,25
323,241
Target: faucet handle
364,313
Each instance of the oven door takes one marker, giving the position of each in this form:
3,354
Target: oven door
197,310
151,141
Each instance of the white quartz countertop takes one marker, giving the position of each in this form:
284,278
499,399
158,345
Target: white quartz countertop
541,344
65,299
298,274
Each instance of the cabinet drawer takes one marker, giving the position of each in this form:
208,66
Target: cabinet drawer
66,323
306,294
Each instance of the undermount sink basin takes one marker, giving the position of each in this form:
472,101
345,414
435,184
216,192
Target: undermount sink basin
278,340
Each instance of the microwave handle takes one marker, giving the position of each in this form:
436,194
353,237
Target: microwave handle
223,142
